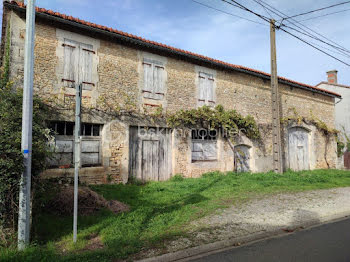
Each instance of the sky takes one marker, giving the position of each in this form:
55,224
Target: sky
188,25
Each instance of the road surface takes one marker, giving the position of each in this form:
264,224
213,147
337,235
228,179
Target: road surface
326,243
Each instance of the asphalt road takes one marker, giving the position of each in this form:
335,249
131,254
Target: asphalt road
326,243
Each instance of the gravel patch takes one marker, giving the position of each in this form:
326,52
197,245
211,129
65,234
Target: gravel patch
282,211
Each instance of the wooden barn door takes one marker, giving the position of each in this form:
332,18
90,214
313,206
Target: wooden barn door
150,154
150,160
242,158
347,160
298,149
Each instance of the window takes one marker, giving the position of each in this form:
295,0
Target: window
204,145
206,90
64,144
153,80
78,64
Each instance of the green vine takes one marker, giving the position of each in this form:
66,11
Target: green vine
215,118
342,146
5,69
319,124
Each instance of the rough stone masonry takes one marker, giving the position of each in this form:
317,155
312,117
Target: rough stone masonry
121,75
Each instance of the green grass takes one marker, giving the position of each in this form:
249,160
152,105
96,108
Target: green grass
159,211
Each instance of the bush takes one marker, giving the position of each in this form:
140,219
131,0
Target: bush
11,157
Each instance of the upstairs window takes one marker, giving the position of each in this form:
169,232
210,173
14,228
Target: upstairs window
204,145
153,80
78,59
206,90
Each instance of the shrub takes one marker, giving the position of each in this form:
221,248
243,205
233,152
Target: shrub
11,157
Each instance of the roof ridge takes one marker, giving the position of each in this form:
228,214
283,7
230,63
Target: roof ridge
110,29
333,84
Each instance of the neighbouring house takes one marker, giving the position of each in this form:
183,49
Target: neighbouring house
120,71
342,112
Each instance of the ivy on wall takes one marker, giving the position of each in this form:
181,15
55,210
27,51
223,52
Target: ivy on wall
319,124
215,118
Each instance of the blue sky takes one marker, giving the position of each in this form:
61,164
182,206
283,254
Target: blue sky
190,26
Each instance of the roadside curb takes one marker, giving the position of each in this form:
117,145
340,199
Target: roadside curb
212,248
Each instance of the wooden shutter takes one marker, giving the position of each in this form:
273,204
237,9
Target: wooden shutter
148,80
204,150
70,74
158,72
197,151
63,153
202,89
210,90
209,150
90,152
86,53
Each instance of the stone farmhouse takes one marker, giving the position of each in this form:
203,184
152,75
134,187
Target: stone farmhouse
126,71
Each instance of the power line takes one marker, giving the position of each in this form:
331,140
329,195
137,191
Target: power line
219,10
264,18
316,10
234,3
331,50
315,47
311,36
267,11
340,48
341,11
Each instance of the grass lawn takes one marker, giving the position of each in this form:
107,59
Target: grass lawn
159,211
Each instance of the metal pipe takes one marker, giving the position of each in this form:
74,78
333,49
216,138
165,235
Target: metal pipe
27,125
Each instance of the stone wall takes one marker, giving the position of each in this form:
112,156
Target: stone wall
118,87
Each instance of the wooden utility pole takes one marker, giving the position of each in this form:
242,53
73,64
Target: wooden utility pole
276,127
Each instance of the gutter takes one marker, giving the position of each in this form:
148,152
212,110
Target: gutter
138,42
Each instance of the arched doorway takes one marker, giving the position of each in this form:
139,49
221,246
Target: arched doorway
298,148
242,158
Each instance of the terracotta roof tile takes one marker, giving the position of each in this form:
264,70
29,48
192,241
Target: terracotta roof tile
77,20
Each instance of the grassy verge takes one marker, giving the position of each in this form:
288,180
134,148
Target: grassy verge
159,211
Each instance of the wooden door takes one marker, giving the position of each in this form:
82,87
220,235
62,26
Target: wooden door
150,160
150,154
298,149
242,158
347,160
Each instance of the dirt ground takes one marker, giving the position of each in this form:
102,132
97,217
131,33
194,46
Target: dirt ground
88,202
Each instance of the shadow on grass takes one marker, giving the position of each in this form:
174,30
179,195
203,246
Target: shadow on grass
145,207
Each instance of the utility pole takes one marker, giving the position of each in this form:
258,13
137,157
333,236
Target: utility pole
24,210
276,126
77,139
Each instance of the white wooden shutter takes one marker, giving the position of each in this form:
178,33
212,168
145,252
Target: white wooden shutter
209,150
148,80
71,51
204,150
86,53
210,90
202,89
158,72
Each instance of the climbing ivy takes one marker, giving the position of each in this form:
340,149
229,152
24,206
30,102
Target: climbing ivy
215,118
319,124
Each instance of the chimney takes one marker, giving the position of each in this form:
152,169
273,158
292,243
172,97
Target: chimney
332,77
